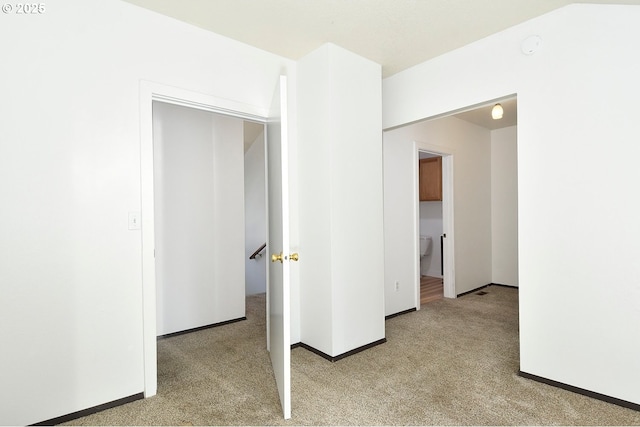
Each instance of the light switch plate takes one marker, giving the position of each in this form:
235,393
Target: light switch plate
134,220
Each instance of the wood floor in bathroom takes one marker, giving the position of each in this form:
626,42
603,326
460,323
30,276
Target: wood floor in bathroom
431,289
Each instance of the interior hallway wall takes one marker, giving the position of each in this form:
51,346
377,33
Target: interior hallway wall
471,148
504,206
340,178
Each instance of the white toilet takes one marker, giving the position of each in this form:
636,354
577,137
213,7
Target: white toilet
425,246
425,249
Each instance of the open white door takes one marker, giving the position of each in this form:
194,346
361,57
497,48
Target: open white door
278,288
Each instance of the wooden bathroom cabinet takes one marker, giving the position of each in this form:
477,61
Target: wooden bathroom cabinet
431,179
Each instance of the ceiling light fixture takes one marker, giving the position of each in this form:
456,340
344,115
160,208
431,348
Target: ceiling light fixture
497,111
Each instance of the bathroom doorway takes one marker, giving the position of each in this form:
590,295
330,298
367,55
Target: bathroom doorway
430,227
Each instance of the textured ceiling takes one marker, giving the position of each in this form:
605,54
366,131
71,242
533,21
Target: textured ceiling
394,33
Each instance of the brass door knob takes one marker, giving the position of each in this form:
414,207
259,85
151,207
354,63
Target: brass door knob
275,257
294,256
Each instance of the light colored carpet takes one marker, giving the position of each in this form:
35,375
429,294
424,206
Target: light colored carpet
454,362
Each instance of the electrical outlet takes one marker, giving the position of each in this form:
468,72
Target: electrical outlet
397,286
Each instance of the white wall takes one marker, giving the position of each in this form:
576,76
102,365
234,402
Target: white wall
577,133
255,217
504,206
315,202
71,306
470,146
431,225
199,221
340,181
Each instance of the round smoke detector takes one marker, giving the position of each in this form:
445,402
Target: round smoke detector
531,44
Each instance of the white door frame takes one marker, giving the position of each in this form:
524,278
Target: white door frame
447,155
149,92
